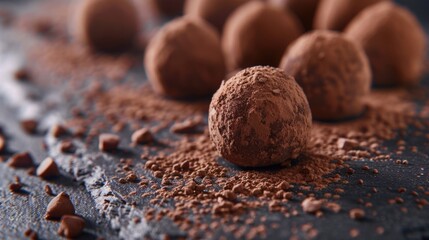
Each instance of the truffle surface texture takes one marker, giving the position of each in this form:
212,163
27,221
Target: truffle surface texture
333,72
259,117
185,59
168,8
258,34
394,42
337,14
214,12
105,25
303,9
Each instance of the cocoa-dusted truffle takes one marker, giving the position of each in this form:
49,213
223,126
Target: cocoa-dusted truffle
214,12
336,14
333,72
394,42
258,34
106,25
259,117
303,9
185,60
168,8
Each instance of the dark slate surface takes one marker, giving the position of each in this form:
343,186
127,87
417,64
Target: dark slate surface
18,212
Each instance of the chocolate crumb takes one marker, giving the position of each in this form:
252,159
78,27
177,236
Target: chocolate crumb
357,214
67,146
347,144
59,206
48,190
108,142
2,144
31,234
142,136
71,226
48,169
21,160
187,126
22,74
29,126
311,205
15,187
58,130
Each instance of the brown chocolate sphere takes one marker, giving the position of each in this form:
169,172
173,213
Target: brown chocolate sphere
106,25
333,72
185,60
214,12
337,14
259,117
303,9
258,34
394,42
168,8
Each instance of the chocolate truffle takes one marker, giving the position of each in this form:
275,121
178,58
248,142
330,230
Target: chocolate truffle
336,14
259,117
214,12
303,9
168,8
185,60
333,72
394,42
106,25
258,34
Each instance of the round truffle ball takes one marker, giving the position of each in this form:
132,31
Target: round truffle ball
168,8
106,25
259,117
394,42
185,59
303,9
336,14
258,34
333,72
214,12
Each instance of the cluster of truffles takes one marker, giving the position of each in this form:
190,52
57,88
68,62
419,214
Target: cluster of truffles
254,122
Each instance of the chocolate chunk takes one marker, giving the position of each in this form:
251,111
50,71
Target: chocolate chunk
21,160
29,126
15,187
357,214
67,146
187,126
347,144
48,190
48,169
108,142
2,143
311,205
142,136
59,206
58,130
71,226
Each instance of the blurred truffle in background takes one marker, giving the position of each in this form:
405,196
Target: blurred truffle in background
258,34
394,42
185,59
303,9
333,72
105,25
214,12
336,14
167,8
